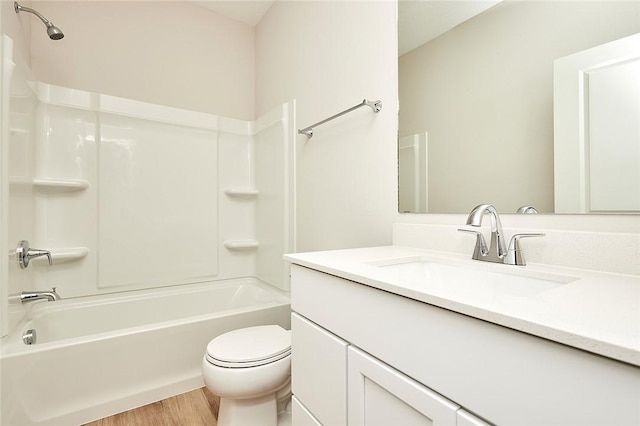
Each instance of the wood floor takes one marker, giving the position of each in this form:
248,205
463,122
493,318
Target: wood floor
195,408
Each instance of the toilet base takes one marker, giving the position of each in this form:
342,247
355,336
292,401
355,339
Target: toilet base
284,418
261,411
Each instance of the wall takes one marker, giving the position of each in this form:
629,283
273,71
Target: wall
16,27
329,56
326,54
485,89
164,52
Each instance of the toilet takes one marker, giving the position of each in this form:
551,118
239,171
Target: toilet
250,370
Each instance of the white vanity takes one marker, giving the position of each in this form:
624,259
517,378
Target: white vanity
404,336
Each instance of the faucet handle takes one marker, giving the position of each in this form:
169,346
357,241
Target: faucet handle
24,254
527,210
514,253
481,244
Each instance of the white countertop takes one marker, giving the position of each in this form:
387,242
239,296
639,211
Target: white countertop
594,311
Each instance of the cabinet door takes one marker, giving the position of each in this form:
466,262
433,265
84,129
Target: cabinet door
300,416
319,371
465,418
380,395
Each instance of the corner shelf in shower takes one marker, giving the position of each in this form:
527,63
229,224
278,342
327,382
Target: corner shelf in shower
241,192
64,255
61,185
241,244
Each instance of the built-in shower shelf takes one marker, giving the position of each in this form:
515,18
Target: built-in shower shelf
241,192
64,255
61,184
241,244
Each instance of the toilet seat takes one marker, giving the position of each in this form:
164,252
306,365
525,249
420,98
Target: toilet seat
249,347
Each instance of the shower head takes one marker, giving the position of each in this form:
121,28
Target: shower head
54,32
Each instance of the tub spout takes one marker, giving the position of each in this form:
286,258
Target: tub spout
28,296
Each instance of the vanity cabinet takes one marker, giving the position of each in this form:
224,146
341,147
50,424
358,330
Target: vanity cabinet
363,356
330,375
337,384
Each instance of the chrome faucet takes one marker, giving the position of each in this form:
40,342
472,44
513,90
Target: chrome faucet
497,251
28,296
527,210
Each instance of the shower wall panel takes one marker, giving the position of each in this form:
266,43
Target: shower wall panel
65,151
129,189
17,130
158,203
20,172
237,214
275,180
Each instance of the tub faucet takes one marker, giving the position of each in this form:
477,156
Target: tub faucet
28,296
497,249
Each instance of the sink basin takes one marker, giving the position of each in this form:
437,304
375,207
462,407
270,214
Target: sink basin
440,273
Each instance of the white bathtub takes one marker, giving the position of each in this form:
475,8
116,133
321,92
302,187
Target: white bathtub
101,355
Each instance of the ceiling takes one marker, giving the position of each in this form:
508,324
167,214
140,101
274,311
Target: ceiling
419,20
422,20
249,12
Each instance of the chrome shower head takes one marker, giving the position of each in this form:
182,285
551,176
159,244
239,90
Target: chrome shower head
54,32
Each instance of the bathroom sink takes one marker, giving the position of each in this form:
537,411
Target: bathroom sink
495,278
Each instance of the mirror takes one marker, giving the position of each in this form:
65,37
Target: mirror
477,100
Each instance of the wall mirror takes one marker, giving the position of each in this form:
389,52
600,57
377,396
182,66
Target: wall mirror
477,106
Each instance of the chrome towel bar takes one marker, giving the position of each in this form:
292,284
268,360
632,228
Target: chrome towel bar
376,106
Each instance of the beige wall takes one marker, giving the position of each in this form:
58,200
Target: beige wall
17,27
484,94
329,56
326,55
170,53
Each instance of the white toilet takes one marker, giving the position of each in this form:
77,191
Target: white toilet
250,370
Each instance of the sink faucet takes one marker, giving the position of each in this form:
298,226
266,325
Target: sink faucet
497,251
28,296
497,248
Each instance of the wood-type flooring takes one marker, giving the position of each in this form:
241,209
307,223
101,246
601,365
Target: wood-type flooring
195,408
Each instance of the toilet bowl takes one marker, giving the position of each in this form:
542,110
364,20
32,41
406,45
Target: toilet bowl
250,370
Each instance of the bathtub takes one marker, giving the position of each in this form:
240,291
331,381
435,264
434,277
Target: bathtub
100,355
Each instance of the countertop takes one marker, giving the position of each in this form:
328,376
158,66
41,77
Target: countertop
593,311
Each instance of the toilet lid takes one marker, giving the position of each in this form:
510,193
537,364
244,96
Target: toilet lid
249,347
